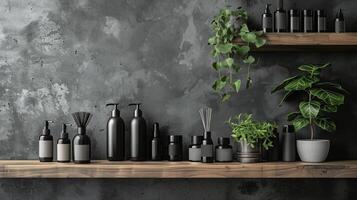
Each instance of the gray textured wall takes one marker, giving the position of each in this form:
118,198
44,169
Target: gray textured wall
62,56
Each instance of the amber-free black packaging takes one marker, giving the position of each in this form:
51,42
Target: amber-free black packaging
340,23
156,145
307,19
194,150
207,148
294,21
320,21
175,148
267,20
45,144
224,151
288,143
280,18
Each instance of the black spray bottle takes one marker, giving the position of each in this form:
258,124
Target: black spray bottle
280,18
340,23
156,146
138,135
267,20
64,145
115,135
45,144
81,145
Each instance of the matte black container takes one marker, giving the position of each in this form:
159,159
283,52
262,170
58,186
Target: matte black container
194,150
138,135
280,18
294,21
64,145
224,151
115,135
175,148
267,20
288,144
81,152
156,145
320,22
45,144
340,23
307,19
207,148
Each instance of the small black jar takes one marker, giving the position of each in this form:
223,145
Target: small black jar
224,151
175,148
194,150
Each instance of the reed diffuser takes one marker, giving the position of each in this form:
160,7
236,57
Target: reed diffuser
207,143
81,141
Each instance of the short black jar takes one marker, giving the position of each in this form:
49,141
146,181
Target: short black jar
224,151
194,150
175,148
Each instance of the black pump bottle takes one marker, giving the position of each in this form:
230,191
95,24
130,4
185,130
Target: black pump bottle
115,135
45,148
280,18
138,135
340,22
156,146
267,20
64,145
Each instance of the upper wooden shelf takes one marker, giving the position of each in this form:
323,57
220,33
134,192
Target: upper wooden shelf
127,169
309,41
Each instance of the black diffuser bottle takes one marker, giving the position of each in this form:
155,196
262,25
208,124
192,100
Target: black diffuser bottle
267,20
81,142
64,145
45,148
207,143
280,18
156,146
115,135
137,135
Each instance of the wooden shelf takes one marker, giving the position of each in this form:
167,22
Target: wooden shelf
309,41
127,169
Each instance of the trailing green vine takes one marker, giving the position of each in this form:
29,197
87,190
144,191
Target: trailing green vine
230,56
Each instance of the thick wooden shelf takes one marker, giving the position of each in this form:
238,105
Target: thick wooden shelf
309,41
126,169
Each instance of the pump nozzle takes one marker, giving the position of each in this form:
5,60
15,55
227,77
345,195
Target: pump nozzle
45,130
137,112
115,112
339,15
64,133
267,8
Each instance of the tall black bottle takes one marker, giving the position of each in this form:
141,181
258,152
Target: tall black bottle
137,135
207,148
280,18
64,145
45,144
267,20
115,135
288,143
156,146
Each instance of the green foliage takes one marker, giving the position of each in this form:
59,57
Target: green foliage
229,56
319,98
245,128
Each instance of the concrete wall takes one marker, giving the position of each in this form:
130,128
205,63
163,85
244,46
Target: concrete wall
62,56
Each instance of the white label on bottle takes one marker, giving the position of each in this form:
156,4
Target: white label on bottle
63,152
224,155
45,149
194,154
81,152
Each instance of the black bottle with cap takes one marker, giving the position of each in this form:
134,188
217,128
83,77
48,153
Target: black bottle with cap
267,20
175,148
115,135
320,21
194,150
207,148
64,145
280,18
224,151
288,143
156,145
137,135
45,144
340,22
294,21
307,19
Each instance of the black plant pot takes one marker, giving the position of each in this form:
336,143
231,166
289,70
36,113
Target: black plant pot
248,154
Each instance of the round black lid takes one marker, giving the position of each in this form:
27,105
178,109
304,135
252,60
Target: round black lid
196,139
175,138
288,129
223,141
307,12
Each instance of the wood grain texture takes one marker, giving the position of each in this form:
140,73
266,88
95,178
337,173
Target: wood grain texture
309,42
127,169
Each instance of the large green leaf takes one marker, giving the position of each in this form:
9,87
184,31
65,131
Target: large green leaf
309,109
249,37
242,50
328,108
331,86
284,83
236,85
244,28
225,97
224,48
301,83
300,123
329,97
313,69
219,84
326,124
260,42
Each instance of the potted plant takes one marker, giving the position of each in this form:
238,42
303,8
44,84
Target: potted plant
251,135
230,56
318,99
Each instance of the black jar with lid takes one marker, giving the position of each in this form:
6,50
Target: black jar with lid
224,151
194,150
175,148
294,21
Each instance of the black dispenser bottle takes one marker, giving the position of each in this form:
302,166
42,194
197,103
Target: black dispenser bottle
340,23
156,146
267,20
115,135
288,143
45,144
207,148
175,148
64,145
138,135
280,18
81,145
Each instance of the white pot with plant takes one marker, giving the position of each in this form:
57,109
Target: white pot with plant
319,100
251,136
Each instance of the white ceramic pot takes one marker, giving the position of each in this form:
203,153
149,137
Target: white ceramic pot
313,150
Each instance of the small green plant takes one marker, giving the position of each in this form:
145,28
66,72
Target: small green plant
227,26
319,98
245,128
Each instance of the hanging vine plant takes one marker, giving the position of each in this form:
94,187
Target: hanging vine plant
229,56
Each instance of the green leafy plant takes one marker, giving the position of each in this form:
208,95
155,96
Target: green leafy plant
245,128
319,98
227,26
